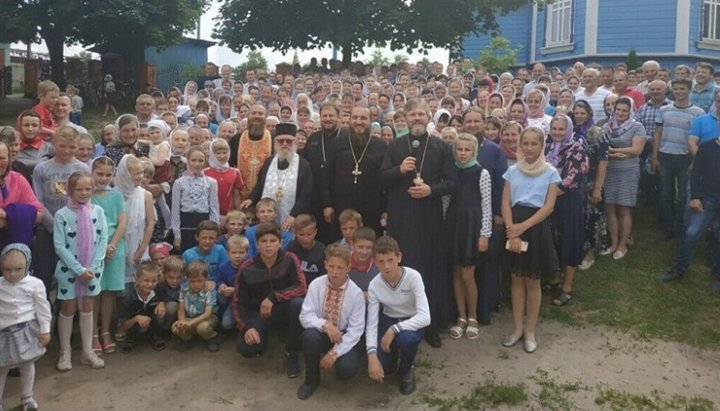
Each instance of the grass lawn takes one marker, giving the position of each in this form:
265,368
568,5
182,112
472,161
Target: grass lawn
623,294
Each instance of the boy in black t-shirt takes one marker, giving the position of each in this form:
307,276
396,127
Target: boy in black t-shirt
310,251
138,316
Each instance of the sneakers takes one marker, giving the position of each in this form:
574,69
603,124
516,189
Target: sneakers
670,275
213,345
92,360
28,404
65,361
292,365
407,383
586,264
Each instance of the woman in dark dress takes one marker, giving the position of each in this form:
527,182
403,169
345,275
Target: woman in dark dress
469,224
567,155
125,141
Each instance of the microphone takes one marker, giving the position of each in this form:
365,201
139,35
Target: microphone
415,146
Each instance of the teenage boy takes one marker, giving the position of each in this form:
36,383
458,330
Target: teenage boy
333,315
206,235
362,266
310,252
398,312
350,220
269,291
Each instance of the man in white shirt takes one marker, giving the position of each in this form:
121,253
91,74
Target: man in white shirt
333,315
594,96
399,327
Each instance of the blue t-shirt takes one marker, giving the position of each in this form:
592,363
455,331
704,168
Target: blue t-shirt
287,236
530,191
705,128
227,274
214,258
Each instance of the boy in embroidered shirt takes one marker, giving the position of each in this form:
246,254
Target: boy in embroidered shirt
48,93
362,265
138,314
196,309
350,220
310,252
398,312
237,248
212,254
168,291
265,212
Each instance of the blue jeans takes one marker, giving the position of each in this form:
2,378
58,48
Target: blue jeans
698,222
227,321
673,178
404,345
76,117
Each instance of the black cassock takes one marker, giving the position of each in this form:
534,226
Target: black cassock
317,152
417,224
366,194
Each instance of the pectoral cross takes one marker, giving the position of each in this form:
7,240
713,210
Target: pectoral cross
356,173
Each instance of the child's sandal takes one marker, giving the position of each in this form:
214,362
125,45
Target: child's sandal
472,331
96,346
108,345
457,330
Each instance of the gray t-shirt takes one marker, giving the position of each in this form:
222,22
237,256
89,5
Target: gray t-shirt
50,185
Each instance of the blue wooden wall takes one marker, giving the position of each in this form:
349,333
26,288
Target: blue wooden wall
169,63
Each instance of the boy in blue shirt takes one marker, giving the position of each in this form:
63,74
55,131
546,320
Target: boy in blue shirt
237,249
206,250
266,211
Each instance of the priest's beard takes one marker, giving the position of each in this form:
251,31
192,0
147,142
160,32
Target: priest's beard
256,130
359,139
285,155
418,130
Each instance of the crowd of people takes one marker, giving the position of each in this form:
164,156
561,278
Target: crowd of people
356,212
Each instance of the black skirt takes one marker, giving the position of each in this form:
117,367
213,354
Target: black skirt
188,226
540,258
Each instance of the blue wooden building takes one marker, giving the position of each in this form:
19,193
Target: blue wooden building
593,31
170,62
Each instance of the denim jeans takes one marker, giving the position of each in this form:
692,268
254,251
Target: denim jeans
404,346
673,178
698,222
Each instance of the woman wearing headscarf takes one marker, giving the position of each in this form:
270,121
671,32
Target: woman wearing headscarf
567,155
626,137
518,111
190,93
536,103
125,140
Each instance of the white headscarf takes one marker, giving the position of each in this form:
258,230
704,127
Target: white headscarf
213,161
134,196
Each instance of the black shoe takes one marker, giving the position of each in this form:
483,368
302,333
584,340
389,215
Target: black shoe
186,346
306,390
670,275
433,338
213,345
292,365
407,383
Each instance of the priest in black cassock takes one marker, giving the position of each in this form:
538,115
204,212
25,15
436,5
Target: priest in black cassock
355,180
317,152
285,177
419,170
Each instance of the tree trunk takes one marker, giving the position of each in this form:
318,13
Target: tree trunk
55,41
347,50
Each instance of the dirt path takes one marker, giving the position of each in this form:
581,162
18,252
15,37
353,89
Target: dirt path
146,380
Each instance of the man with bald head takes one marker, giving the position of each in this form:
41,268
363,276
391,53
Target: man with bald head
622,88
592,93
649,70
249,150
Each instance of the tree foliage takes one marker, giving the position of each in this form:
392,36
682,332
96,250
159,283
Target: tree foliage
378,58
632,60
499,56
351,25
255,60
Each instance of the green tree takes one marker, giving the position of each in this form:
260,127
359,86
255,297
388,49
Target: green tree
401,58
351,25
84,56
378,58
632,60
255,60
499,56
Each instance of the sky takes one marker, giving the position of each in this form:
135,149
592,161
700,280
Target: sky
223,55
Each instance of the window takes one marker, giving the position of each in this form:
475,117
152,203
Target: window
558,31
711,20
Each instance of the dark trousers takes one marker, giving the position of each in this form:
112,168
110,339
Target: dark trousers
314,345
286,317
673,179
154,329
404,346
45,258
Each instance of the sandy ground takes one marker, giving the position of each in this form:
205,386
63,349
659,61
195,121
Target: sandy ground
198,380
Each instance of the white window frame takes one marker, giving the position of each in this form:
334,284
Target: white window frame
559,23
710,24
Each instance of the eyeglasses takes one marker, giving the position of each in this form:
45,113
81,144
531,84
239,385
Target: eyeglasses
283,141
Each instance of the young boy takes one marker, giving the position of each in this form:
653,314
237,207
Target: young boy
234,224
196,309
333,315
269,290
237,248
350,220
138,316
212,254
265,212
168,291
49,181
396,331
310,252
362,266
77,104
48,93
